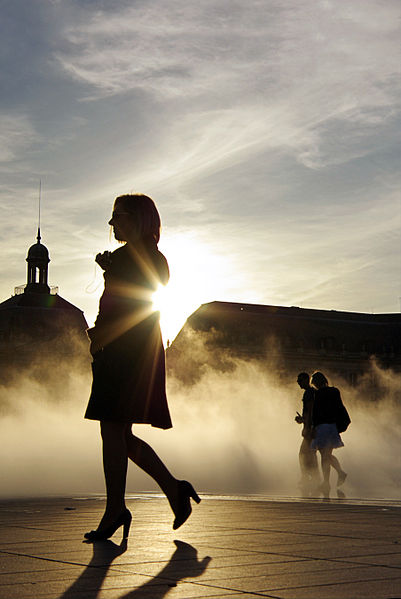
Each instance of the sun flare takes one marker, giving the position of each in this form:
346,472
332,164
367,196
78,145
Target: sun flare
196,276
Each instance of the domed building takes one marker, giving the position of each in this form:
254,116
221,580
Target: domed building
37,325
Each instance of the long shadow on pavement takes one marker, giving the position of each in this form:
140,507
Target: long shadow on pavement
183,563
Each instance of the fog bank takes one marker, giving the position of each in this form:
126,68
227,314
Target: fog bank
234,432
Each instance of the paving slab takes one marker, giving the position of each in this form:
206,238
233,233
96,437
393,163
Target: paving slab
231,547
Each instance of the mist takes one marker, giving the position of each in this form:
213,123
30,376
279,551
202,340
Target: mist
234,433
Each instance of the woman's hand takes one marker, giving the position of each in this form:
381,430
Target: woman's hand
104,260
298,418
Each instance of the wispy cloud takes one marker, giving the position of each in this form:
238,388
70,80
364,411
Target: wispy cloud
16,135
314,79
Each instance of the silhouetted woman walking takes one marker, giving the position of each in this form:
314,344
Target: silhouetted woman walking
326,414
129,365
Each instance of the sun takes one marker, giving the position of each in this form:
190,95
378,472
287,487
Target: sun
196,277
173,310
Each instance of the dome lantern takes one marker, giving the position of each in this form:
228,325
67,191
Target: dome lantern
38,261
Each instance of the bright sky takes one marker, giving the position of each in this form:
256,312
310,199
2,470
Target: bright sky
265,131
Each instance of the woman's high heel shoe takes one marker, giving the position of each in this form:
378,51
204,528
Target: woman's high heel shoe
124,520
185,492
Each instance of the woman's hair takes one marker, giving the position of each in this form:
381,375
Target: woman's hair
146,219
319,378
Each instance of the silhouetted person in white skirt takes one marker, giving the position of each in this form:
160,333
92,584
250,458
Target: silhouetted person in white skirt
327,410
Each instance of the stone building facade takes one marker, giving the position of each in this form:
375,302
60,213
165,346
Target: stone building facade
287,339
37,325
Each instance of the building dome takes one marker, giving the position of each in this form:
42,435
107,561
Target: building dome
38,261
38,251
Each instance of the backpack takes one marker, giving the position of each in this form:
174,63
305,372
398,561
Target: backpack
343,420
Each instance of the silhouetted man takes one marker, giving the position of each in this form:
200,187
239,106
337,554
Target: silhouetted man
307,456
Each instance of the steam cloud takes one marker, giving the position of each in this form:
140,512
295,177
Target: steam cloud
234,432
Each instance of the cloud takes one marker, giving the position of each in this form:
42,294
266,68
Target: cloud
236,93
316,81
16,135
310,69
260,43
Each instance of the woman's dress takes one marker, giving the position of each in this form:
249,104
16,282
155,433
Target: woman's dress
129,380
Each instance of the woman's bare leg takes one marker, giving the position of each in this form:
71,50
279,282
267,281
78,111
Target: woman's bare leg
326,462
178,492
147,459
342,475
336,464
115,462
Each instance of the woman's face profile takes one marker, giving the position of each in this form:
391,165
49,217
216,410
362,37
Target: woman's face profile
120,221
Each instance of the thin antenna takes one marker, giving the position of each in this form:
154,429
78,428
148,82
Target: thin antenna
40,198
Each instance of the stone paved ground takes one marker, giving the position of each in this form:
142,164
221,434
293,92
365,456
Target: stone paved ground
230,548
